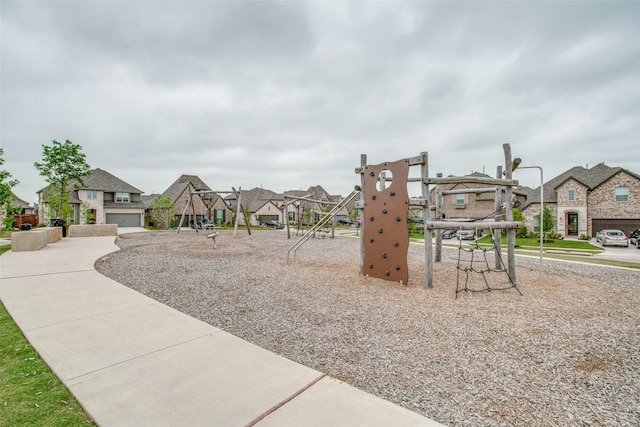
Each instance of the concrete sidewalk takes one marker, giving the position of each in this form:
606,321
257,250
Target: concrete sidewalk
132,361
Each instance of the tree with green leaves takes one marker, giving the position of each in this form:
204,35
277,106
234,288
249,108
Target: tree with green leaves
61,163
6,197
517,216
161,210
549,219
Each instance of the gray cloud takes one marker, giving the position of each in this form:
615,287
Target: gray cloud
289,94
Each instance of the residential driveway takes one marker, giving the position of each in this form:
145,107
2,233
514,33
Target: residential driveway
630,254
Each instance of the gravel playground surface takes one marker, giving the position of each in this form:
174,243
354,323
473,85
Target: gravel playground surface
566,352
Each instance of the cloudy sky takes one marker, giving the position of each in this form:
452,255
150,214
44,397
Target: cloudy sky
286,95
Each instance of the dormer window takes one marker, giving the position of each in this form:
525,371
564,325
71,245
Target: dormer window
622,194
122,197
92,194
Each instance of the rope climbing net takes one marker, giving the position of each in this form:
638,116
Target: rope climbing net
474,261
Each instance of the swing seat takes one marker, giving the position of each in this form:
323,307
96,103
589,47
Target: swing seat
214,238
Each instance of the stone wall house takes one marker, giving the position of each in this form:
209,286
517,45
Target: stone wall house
262,204
315,210
469,206
206,204
103,199
586,200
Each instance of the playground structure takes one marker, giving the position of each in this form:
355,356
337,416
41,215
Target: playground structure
295,200
317,226
239,208
384,240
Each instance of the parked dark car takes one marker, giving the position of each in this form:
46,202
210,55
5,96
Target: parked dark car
274,224
634,237
344,221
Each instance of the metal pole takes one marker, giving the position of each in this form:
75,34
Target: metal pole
541,213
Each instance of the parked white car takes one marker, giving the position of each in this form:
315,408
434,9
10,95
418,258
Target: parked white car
205,224
612,238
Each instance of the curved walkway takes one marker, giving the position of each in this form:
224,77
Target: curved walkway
132,361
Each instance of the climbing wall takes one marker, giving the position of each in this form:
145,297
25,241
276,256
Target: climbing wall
385,233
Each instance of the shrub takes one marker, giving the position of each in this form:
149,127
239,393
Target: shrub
522,232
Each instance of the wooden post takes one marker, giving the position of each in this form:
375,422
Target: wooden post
363,164
426,214
497,233
439,200
511,233
184,212
238,208
286,217
193,211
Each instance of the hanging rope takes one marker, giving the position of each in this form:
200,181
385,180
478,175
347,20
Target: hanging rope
480,265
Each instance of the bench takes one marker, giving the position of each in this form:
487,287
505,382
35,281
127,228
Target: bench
28,240
214,238
93,230
53,234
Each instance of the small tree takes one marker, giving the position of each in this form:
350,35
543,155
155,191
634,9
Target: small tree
161,209
61,163
517,216
549,220
6,197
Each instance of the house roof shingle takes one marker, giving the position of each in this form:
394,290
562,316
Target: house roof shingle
178,187
590,178
102,180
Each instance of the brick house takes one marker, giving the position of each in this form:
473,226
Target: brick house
104,199
263,205
208,205
468,206
585,201
315,210
27,214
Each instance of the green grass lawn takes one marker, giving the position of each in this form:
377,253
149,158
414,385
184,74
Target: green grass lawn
533,243
559,244
30,393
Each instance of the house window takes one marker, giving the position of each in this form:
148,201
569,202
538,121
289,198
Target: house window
219,216
622,194
459,199
92,194
536,224
572,195
122,197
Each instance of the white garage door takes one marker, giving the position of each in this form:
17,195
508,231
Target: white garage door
124,220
